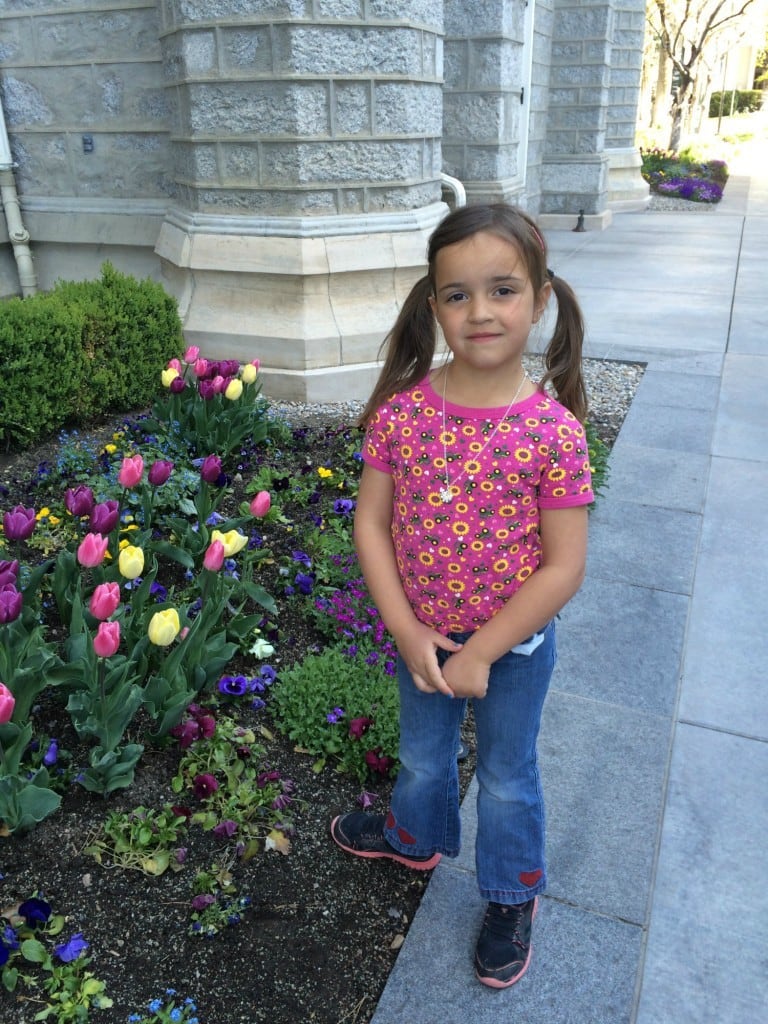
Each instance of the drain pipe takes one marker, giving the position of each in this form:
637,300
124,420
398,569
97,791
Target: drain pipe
17,233
455,186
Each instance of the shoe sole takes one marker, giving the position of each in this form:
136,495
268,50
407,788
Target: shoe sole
495,983
421,865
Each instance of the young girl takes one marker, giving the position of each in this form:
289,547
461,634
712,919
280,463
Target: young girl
471,531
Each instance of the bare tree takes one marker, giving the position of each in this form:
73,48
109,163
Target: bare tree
684,29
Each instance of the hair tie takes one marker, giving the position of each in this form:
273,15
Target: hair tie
550,274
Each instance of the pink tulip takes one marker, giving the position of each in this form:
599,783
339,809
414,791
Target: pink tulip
210,470
214,556
7,704
201,367
190,356
131,471
261,504
174,364
104,600
92,550
219,384
256,363
107,639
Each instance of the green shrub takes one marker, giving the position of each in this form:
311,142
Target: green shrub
81,351
132,330
305,696
43,366
744,101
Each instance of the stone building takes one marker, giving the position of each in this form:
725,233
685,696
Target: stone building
279,164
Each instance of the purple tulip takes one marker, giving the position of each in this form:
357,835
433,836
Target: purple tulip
177,385
104,517
210,471
159,472
19,523
9,572
205,387
10,603
79,500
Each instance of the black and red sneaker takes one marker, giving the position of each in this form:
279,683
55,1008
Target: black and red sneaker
363,835
503,950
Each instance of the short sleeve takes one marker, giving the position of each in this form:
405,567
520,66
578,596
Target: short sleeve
566,480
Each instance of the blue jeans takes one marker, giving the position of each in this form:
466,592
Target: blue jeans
424,812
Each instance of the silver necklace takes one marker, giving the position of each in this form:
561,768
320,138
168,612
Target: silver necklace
446,492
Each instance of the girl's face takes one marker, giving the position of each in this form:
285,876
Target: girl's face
484,302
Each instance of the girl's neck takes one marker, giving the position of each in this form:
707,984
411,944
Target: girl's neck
480,390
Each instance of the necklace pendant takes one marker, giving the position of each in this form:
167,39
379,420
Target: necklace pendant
446,495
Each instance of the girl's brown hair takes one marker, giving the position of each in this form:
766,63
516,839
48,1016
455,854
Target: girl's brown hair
410,345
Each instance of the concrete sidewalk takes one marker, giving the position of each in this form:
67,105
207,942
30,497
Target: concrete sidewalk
653,747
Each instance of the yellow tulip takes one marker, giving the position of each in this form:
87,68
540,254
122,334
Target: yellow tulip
232,541
234,389
164,627
249,373
131,562
168,375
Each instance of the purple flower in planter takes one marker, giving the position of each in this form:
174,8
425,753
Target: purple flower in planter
79,501
51,754
210,470
225,829
160,469
344,506
203,785
304,582
335,716
233,686
71,950
205,388
202,901
35,911
302,557
19,523
10,603
9,572
104,517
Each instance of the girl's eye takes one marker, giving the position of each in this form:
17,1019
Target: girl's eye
505,290
456,297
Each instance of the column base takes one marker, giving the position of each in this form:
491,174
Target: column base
628,191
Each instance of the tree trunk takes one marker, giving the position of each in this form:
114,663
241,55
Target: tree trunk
660,111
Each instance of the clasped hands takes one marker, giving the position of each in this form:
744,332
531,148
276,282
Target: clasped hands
462,675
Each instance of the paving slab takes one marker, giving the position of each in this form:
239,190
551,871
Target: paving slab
685,391
583,969
749,328
742,427
663,426
706,957
654,476
727,651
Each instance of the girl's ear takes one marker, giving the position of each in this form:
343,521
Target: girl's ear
541,301
432,304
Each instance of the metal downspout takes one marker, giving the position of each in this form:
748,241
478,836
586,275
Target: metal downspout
17,233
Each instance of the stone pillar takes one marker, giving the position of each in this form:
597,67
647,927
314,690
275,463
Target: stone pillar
307,161
627,190
575,168
485,101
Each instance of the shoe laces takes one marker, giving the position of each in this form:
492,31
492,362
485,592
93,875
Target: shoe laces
505,922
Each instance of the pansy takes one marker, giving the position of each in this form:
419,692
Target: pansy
204,785
233,686
35,911
71,950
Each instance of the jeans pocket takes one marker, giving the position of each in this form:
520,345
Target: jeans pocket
529,646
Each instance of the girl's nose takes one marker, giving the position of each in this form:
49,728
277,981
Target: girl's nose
478,311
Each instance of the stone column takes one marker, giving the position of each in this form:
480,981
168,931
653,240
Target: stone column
485,101
307,165
574,174
627,190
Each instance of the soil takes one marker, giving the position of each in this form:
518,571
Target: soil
322,931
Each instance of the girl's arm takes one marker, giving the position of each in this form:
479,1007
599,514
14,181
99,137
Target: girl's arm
539,599
416,642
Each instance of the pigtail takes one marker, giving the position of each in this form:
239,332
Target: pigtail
563,355
410,348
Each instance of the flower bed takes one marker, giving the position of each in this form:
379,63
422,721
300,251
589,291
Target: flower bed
683,176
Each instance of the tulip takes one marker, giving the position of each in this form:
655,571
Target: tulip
256,363
159,472
92,550
190,356
174,364
167,376
205,388
130,561
9,572
234,389
214,556
79,500
230,368
19,523
261,504
10,603
107,639
7,704
104,600
104,517
219,384
164,627
249,373
210,470
201,367
177,385
232,541
131,471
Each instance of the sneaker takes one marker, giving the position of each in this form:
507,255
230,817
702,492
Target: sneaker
504,949
363,835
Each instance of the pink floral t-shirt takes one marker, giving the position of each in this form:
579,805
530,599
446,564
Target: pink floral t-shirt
460,562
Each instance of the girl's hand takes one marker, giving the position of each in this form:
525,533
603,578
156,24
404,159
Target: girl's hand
466,676
418,649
